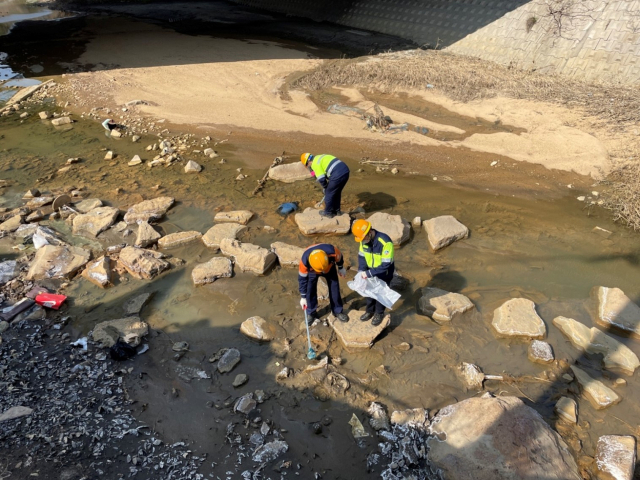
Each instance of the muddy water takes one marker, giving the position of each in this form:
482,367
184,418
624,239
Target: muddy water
546,251
422,108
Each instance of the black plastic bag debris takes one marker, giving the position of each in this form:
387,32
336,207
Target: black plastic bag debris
122,351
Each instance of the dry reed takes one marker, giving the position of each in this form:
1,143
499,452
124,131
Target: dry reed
613,106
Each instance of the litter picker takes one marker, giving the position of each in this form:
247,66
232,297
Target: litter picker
311,354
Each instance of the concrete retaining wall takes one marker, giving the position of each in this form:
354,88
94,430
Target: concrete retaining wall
599,41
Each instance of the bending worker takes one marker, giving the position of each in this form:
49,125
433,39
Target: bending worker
375,259
332,174
321,260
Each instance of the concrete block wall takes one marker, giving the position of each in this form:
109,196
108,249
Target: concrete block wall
602,43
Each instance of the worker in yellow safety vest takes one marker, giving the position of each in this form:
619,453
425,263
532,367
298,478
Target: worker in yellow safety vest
333,174
375,259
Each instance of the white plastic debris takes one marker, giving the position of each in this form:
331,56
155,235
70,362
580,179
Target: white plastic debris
81,342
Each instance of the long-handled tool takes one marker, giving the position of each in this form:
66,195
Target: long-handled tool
319,204
311,354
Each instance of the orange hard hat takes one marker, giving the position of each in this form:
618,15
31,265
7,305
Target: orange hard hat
305,157
360,229
319,260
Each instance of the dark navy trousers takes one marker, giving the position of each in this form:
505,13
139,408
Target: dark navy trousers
333,193
334,290
374,306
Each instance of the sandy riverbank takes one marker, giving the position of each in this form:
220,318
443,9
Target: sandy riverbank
240,84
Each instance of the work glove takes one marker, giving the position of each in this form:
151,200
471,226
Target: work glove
364,275
342,272
303,303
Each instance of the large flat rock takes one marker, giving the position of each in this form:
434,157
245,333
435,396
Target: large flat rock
441,305
85,206
141,263
517,318
617,312
237,216
11,224
501,438
53,261
95,221
616,456
218,232
599,395
616,355
98,272
249,257
148,210
288,255
289,172
209,272
356,334
443,231
178,239
130,329
398,229
310,222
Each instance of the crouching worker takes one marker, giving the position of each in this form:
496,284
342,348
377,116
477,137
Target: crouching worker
333,174
321,260
375,259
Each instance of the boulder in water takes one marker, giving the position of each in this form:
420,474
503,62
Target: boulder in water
257,328
129,329
249,257
217,233
147,235
237,216
95,221
441,305
599,395
616,355
517,318
443,231
148,210
53,261
395,226
288,255
616,311
98,272
178,239
356,334
289,172
141,263
310,222
490,438
616,456
209,272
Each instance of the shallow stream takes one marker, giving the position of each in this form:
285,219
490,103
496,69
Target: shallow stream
547,251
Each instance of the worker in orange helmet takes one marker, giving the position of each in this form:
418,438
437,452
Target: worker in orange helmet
333,174
375,259
321,260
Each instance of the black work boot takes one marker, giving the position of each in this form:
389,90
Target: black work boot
377,319
324,213
343,317
312,317
366,316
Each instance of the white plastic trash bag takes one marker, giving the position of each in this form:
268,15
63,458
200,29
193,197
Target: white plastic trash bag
39,241
374,288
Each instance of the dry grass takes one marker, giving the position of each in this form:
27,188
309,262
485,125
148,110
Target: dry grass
612,107
465,79
623,195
